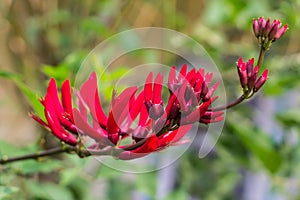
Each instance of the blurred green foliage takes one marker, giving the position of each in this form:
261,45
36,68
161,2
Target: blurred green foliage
58,36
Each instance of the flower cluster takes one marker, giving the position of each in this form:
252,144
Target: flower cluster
267,32
143,117
142,121
248,75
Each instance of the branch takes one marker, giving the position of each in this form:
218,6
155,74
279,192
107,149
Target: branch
230,105
261,57
4,160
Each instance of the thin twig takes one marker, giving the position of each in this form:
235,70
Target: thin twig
230,105
49,152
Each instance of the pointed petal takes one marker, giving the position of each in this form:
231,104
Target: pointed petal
54,124
39,120
261,81
101,117
173,136
67,97
99,135
183,70
172,78
148,88
157,91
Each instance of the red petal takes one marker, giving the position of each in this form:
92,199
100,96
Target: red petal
53,94
67,97
60,113
211,91
149,146
101,117
157,88
196,115
39,120
135,106
172,77
173,136
99,135
143,116
148,88
54,124
119,110
183,70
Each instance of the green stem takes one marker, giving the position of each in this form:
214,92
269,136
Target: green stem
261,56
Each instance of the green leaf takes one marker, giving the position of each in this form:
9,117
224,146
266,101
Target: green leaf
6,192
30,167
259,144
48,191
6,74
289,118
31,95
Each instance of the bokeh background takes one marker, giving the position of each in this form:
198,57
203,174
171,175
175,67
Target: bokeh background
258,154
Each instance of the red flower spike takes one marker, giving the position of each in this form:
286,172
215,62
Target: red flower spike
249,82
157,128
267,32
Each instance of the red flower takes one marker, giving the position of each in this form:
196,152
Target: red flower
157,126
59,115
268,32
248,75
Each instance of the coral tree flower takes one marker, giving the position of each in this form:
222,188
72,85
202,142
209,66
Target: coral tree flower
267,32
157,126
59,114
248,75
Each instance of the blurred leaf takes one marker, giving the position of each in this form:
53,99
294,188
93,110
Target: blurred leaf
6,148
74,179
30,167
48,191
178,194
289,118
59,73
31,95
149,186
6,192
6,74
260,144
